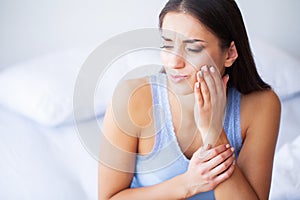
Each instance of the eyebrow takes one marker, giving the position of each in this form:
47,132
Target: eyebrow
166,39
184,41
192,41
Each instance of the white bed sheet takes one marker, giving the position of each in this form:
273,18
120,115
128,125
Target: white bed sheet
290,120
286,171
43,163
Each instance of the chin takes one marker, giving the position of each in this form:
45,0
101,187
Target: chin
183,88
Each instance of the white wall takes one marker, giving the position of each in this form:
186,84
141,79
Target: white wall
30,28
33,27
274,21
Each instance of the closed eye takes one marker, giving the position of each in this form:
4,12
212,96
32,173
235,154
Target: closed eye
166,47
195,50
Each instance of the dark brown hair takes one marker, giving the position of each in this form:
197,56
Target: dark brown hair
224,19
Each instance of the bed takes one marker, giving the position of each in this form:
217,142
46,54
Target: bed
44,157
41,157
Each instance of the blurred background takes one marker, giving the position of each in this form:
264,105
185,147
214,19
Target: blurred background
30,28
43,44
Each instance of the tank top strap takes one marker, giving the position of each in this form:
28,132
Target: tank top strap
161,109
232,123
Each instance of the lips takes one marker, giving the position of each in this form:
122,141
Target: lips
178,78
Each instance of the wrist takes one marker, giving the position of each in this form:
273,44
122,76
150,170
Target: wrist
188,189
210,136
214,137
222,138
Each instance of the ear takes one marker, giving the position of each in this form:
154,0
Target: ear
231,56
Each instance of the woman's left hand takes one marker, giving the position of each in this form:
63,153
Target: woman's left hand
210,103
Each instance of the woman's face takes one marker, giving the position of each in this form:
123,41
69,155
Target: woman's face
187,46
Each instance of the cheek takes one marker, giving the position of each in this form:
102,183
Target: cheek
201,59
219,64
211,57
198,61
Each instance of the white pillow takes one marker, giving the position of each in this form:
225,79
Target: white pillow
42,88
286,173
277,68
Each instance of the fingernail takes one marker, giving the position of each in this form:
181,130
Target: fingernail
232,149
197,85
227,146
212,69
204,68
233,155
205,146
200,73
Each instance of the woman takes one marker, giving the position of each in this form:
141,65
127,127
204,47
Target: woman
204,128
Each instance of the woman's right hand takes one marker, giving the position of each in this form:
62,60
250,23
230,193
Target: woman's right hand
209,167
210,103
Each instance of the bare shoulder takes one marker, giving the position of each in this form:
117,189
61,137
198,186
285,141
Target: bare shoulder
260,109
124,118
128,87
133,93
262,100
120,128
132,100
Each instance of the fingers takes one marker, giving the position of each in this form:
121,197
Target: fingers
215,74
197,89
209,77
219,81
209,80
220,158
215,165
220,173
225,175
209,84
212,153
201,89
219,166
202,153
207,154
214,80
223,166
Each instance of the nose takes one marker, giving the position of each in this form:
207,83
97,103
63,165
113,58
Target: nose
175,60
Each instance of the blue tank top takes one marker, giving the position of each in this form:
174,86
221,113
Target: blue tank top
166,160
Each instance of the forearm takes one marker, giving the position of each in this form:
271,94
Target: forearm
221,139
174,188
215,139
237,186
